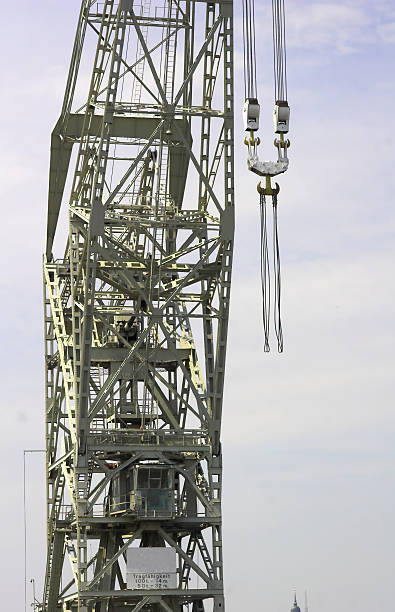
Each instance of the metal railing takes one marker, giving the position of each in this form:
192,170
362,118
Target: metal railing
165,437
103,510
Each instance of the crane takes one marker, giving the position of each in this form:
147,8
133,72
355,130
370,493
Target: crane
133,416
136,307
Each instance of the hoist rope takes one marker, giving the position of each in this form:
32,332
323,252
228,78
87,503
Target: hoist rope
279,51
277,279
265,276
250,86
281,94
265,273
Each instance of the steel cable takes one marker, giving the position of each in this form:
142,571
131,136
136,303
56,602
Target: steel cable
265,276
250,83
281,93
279,51
265,273
277,279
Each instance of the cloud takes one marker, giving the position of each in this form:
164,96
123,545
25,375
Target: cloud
386,32
323,24
346,27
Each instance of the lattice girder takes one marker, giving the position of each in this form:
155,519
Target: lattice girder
136,311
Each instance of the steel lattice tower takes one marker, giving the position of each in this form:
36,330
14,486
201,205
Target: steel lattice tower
133,418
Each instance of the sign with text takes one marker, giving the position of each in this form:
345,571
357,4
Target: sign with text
151,568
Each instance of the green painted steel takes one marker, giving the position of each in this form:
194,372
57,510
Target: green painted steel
136,310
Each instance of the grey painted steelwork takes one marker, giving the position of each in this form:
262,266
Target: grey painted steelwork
133,418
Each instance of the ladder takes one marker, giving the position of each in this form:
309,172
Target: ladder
139,69
61,337
186,568
205,555
168,74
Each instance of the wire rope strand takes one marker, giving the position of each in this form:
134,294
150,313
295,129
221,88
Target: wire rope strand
275,47
249,50
244,49
265,274
285,56
254,50
282,57
275,42
274,50
249,45
277,279
251,24
279,51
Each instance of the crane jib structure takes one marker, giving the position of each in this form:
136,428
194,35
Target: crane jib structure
136,309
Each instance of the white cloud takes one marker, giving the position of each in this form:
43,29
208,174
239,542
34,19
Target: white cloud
387,32
323,24
342,26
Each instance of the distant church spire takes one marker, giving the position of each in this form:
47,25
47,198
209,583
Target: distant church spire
295,607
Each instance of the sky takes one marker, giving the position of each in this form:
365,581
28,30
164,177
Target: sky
308,436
